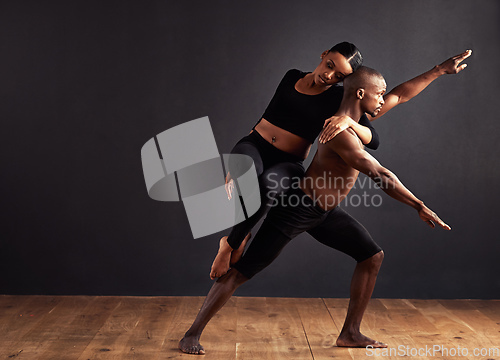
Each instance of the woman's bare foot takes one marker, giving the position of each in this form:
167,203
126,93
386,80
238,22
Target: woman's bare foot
358,340
227,257
221,264
236,254
191,345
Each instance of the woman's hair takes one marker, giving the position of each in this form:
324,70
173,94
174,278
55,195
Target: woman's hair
350,52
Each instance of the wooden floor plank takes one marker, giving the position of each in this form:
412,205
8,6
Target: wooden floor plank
257,336
474,319
19,320
290,338
397,304
455,333
490,308
321,330
111,339
75,336
12,309
9,303
50,327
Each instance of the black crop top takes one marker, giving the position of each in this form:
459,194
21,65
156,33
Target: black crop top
304,115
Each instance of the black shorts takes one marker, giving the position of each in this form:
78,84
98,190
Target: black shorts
295,213
276,171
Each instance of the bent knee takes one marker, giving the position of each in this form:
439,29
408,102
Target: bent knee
377,258
237,277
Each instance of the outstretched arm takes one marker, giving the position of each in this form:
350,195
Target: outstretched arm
411,88
348,148
400,94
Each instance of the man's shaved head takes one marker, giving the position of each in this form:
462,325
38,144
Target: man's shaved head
361,78
365,88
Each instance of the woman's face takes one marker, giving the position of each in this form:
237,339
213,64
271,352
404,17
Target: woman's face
333,68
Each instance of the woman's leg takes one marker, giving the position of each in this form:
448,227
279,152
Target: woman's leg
273,182
236,168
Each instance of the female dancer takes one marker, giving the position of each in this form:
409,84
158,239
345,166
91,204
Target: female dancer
282,139
302,105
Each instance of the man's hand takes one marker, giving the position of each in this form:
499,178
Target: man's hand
452,65
431,218
334,126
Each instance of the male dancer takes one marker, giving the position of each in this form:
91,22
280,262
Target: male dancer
315,210
227,256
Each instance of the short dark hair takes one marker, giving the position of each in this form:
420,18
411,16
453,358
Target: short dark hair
361,78
350,52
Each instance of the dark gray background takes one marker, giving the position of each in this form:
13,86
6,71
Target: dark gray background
85,84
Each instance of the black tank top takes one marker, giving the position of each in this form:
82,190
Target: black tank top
304,115
301,114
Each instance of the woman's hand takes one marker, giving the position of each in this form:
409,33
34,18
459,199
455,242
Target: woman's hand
452,65
229,186
334,126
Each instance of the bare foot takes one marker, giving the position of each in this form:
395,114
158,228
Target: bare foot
236,254
358,340
191,345
220,266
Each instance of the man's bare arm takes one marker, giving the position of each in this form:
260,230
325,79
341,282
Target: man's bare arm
347,146
400,94
411,88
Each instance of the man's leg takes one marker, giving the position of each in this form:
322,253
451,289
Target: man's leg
362,284
344,233
219,294
265,247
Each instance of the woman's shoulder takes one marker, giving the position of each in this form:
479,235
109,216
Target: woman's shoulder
292,76
295,73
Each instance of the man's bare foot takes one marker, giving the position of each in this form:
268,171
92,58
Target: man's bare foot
236,254
191,345
358,340
220,266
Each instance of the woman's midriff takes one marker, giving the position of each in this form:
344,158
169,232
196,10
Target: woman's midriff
282,139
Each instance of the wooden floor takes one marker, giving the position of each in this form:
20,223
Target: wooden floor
89,327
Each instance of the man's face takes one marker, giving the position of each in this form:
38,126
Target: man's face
374,96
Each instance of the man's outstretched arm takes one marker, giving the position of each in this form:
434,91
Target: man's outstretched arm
347,146
411,88
400,94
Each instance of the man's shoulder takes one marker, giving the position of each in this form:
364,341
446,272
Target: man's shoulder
347,138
